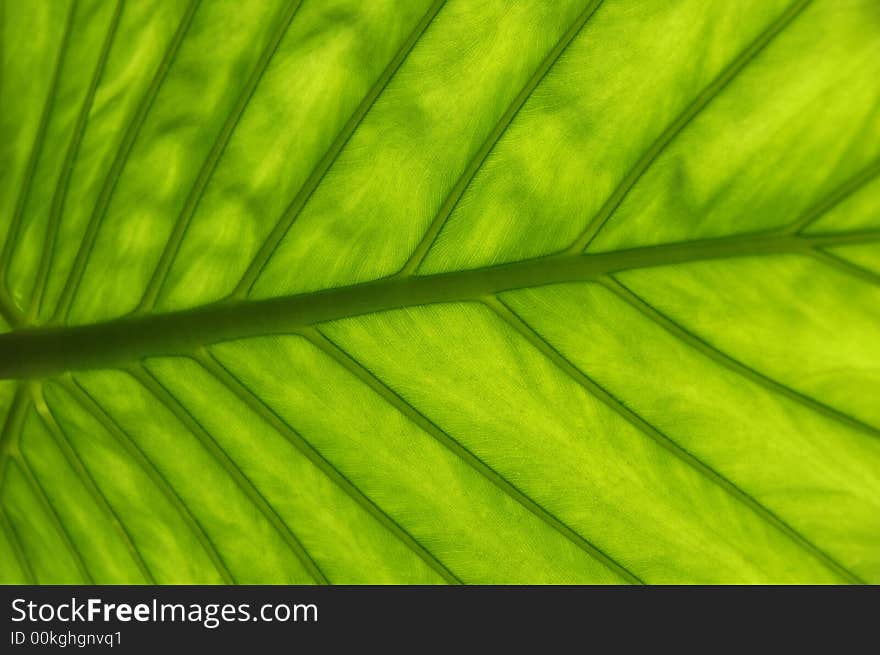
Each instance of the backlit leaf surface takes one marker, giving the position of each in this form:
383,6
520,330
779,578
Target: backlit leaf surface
414,292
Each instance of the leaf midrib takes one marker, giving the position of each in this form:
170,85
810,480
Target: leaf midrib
41,351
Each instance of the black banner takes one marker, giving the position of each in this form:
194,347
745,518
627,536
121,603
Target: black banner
144,619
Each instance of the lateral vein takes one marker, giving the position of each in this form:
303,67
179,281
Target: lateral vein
27,473
690,112
293,210
845,266
15,542
36,151
175,238
132,130
715,354
841,193
155,387
476,163
600,393
73,459
61,186
91,406
344,359
261,409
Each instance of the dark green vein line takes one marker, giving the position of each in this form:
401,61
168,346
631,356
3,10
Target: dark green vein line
125,147
542,345
261,409
12,426
296,206
36,151
172,245
8,311
846,266
841,193
8,447
94,409
152,384
43,351
60,194
421,250
715,354
60,438
343,358
15,542
690,112
24,468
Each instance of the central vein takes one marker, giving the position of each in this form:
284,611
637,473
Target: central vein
41,351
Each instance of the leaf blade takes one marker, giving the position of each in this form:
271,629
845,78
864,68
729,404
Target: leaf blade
301,287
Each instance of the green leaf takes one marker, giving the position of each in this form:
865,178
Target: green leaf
414,292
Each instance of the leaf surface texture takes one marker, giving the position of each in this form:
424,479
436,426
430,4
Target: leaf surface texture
440,292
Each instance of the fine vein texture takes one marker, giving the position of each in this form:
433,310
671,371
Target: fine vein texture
325,291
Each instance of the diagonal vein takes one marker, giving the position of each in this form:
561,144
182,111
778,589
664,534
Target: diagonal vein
36,151
172,245
690,112
259,407
27,473
73,459
542,345
15,542
61,186
421,250
12,427
8,311
8,437
296,206
149,381
846,266
91,406
720,357
841,193
343,358
125,146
